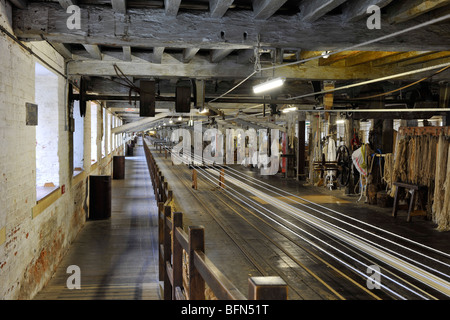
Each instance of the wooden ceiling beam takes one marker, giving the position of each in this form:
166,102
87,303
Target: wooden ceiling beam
63,49
365,57
201,68
337,57
119,6
126,53
157,54
94,51
152,28
398,58
264,9
218,55
403,11
218,8
189,53
21,4
172,7
425,58
311,10
357,9
67,3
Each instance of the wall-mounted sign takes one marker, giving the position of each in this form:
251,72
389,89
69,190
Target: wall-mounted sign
31,114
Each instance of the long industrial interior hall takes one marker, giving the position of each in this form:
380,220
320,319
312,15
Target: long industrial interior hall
226,150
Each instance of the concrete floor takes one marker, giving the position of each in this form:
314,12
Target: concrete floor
118,257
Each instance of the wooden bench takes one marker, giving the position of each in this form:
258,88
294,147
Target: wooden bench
413,189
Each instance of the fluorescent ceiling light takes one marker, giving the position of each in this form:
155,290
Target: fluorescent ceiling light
286,110
271,84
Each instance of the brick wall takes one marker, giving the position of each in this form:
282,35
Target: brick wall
35,235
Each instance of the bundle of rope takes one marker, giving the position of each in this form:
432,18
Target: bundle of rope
388,172
415,163
441,201
400,167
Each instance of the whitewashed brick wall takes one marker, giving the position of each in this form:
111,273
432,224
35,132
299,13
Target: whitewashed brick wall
31,248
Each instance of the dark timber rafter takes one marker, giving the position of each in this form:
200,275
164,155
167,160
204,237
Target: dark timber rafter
236,30
219,7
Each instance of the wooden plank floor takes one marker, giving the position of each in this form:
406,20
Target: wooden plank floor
118,257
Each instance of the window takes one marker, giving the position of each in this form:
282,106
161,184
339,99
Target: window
113,135
78,139
103,132
94,110
108,132
47,160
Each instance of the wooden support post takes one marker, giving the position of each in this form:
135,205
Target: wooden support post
301,150
196,282
411,204
328,98
167,253
160,240
165,187
194,179
314,145
177,263
160,188
267,288
387,136
222,178
348,129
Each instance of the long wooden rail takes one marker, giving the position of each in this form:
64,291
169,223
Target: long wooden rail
173,239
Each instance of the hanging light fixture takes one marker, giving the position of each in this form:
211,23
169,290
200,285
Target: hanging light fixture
268,85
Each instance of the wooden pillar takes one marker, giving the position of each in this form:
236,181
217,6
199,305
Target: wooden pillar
196,282
177,264
387,136
301,149
267,288
160,240
167,253
350,188
328,98
194,179
314,145
444,98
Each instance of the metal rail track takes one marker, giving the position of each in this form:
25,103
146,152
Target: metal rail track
336,282
328,283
